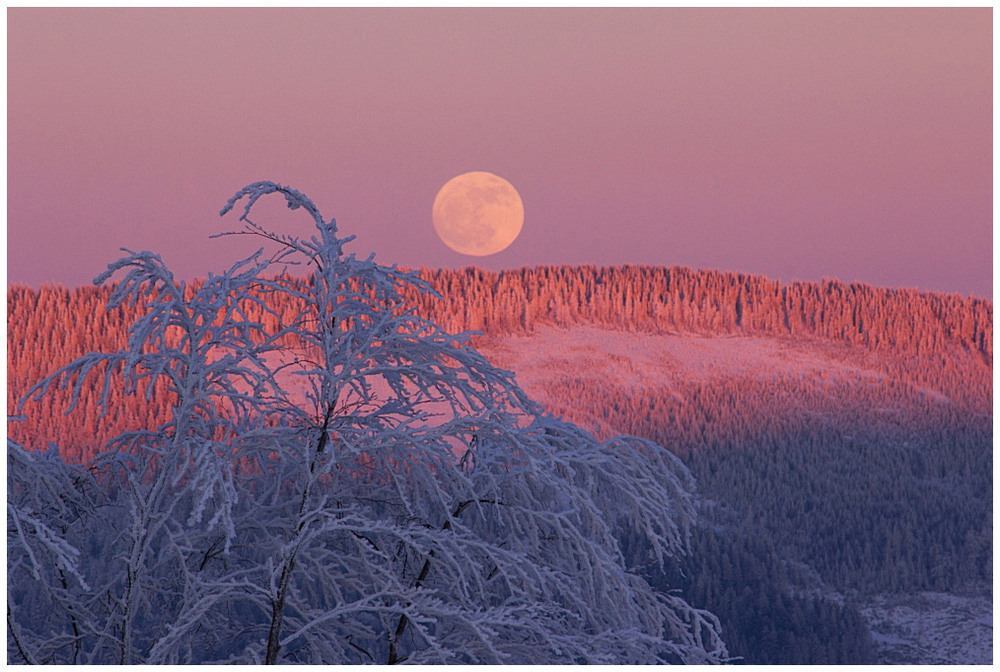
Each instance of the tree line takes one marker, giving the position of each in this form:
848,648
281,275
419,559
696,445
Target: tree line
679,299
930,337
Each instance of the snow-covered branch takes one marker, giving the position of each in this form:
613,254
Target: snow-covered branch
351,485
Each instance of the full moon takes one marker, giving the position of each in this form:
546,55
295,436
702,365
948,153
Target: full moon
478,213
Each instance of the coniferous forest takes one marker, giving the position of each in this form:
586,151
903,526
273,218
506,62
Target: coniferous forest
881,484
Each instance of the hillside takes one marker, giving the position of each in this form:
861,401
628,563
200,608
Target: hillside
867,485
841,434
932,338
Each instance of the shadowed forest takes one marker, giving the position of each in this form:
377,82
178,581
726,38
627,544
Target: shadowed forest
811,484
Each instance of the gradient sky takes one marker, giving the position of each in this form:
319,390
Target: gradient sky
795,143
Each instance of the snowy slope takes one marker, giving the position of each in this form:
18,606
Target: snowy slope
925,628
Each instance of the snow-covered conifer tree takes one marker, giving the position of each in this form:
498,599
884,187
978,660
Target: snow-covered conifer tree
354,486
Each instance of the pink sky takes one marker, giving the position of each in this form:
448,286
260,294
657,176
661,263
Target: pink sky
794,143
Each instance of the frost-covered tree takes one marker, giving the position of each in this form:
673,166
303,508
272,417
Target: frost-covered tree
353,485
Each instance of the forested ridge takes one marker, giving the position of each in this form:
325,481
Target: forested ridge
661,299
923,331
878,484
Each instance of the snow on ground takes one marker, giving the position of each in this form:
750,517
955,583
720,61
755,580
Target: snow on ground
931,629
643,360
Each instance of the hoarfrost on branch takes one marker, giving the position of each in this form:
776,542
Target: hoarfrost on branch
353,485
